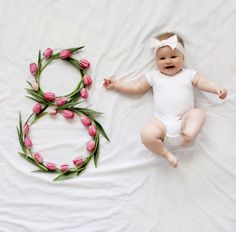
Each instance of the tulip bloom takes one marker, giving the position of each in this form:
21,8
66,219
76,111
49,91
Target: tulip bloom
28,142
49,96
91,145
48,53
84,93
64,167
26,129
52,112
61,101
38,158
84,64
85,120
65,54
92,130
78,161
37,108
33,68
68,114
51,166
34,85
87,80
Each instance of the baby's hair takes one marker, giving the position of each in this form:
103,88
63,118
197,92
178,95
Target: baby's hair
167,35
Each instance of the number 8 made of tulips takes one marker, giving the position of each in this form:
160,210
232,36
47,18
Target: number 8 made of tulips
47,103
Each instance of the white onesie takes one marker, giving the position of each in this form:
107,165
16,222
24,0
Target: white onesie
173,96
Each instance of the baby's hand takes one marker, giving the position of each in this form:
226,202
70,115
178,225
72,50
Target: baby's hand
109,83
221,92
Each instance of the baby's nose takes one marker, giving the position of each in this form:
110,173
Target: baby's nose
168,61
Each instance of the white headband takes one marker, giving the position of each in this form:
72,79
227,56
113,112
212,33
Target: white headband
171,42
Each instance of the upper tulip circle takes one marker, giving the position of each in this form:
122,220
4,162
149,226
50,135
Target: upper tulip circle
47,103
49,98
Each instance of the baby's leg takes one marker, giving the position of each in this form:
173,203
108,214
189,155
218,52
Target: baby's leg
192,123
152,136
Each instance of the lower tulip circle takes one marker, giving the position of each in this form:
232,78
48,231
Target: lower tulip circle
79,162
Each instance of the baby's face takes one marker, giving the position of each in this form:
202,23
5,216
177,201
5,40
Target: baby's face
169,61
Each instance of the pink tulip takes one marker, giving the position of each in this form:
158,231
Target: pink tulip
92,130
87,80
61,101
84,93
48,53
84,64
28,142
49,96
68,114
52,112
33,68
51,166
65,54
38,158
34,85
86,120
91,145
78,161
37,108
64,167
26,129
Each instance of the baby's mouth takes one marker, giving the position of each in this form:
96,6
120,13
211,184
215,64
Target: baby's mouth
170,67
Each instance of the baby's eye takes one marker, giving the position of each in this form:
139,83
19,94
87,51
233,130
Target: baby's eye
162,58
173,57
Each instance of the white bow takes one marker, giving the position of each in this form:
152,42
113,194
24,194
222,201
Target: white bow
171,42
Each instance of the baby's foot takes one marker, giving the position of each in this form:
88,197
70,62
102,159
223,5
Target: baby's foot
172,159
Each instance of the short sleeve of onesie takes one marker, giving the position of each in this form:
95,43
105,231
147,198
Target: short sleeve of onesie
192,73
149,77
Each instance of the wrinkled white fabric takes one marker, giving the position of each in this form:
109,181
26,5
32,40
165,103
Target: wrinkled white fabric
131,189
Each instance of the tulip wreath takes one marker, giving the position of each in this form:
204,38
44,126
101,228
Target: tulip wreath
49,104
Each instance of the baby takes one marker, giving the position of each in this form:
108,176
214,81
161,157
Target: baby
172,84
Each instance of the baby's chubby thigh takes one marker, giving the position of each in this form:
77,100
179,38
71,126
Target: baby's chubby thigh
154,129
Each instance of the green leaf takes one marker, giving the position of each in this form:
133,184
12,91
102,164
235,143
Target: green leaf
65,176
75,97
53,57
76,90
20,125
96,153
37,100
22,154
39,170
39,60
100,128
42,167
76,49
21,140
68,105
79,171
73,62
88,112
25,156
36,95
37,117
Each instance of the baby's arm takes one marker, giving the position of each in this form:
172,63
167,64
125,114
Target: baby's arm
139,86
209,86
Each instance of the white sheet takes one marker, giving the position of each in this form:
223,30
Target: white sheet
132,190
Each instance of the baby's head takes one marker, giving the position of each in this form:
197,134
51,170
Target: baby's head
169,50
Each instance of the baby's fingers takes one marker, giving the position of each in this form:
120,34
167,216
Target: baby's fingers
222,93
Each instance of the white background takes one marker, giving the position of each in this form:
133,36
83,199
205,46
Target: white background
132,190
